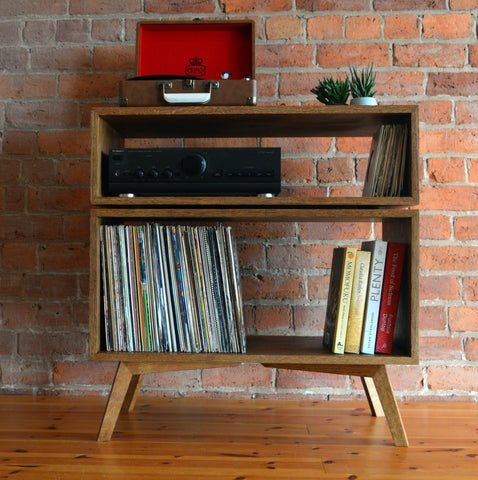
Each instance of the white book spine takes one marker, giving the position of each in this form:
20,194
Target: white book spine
378,248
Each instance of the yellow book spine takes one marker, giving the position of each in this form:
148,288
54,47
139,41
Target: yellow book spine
344,300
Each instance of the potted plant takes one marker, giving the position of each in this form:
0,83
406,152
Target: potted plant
332,92
362,84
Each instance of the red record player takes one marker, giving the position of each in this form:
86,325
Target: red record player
196,62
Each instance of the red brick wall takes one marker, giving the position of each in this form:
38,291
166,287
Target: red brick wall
59,58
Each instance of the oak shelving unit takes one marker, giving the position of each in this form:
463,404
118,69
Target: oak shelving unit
112,126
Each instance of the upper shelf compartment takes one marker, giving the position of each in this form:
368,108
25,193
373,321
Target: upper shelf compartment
112,127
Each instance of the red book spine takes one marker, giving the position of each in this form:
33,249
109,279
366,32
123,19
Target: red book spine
390,295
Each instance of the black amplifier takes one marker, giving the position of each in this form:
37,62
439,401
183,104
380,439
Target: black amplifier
193,171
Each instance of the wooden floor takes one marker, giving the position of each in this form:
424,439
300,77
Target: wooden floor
54,438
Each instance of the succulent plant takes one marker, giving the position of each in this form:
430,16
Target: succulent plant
332,92
362,83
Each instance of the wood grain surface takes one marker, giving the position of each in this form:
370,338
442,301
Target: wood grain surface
46,438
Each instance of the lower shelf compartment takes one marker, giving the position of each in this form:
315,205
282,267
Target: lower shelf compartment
287,350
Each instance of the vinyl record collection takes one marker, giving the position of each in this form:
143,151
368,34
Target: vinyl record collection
387,163
171,289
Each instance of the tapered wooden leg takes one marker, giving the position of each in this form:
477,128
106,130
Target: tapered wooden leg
116,399
377,388
127,384
390,408
372,397
132,393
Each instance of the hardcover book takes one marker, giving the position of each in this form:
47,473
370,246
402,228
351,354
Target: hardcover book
390,296
357,305
378,249
338,303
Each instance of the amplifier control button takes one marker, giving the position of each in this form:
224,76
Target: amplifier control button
167,173
139,173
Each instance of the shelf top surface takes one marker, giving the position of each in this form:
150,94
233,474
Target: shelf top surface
270,214
254,202
268,349
259,121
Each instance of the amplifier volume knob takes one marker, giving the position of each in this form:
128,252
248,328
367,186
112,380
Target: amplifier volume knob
153,173
167,173
139,173
193,165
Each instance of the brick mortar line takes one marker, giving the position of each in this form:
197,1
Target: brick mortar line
429,333
294,10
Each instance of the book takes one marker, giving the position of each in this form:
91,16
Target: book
357,304
390,295
378,250
338,302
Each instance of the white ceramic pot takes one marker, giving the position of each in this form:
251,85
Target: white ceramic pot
363,101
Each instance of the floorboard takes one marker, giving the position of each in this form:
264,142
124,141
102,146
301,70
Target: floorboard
54,438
